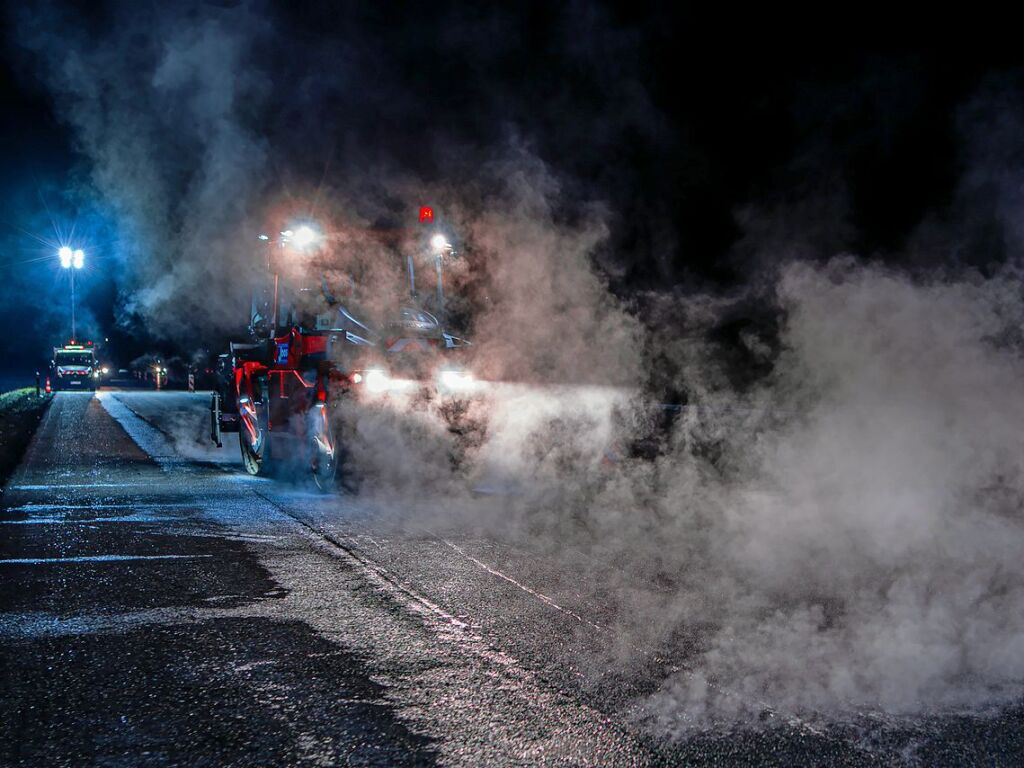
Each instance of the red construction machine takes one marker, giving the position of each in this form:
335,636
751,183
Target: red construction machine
344,317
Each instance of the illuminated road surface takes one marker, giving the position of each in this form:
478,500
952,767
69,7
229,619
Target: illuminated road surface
159,607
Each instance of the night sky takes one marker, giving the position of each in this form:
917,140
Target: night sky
720,147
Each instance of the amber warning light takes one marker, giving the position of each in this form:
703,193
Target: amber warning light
426,215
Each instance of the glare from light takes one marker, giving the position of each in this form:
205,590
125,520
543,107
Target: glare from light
304,236
439,243
357,378
264,237
78,259
65,255
457,381
105,370
377,381
287,233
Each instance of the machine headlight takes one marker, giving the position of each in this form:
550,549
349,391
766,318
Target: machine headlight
377,380
457,381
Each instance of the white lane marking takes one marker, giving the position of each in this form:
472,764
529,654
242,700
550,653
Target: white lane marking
62,486
93,559
92,507
345,548
39,624
542,597
689,672
55,520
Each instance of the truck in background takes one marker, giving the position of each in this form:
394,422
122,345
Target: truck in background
73,367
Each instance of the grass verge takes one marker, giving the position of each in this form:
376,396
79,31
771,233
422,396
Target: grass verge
20,412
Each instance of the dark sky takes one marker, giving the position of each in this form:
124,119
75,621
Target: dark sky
721,146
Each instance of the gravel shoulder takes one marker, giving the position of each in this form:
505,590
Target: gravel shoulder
20,414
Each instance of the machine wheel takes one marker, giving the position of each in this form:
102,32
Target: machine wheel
324,466
255,449
324,454
253,457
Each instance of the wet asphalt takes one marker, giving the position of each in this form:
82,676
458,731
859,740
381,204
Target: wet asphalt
159,607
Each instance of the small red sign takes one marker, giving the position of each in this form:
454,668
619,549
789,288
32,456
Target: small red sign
426,215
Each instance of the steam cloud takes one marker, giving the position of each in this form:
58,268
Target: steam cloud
866,555
843,534
851,543
158,102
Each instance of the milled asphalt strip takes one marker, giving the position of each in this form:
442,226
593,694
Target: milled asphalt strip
150,422
157,444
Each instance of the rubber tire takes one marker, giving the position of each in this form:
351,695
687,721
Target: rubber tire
256,464
325,478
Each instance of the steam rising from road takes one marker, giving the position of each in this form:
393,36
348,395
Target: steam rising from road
844,534
865,554
843,537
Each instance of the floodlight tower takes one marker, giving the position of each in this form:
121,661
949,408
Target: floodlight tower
73,260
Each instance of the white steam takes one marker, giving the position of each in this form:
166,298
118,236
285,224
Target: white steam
852,544
889,528
868,555
847,535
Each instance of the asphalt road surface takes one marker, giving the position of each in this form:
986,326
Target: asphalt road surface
160,607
